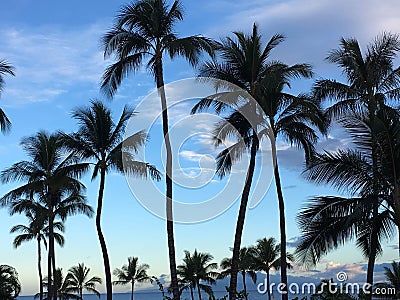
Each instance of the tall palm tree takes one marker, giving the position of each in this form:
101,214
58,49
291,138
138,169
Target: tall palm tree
266,257
51,176
10,286
145,29
245,267
196,270
372,83
37,230
245,63
100,139
5,68
132,273
78,277
62,285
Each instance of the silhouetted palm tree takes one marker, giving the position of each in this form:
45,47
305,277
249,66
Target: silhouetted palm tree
145,30
266,257
51,176
10,286
132,273
63,287
372,83
245,64
78,277
245,266
101,140
37,230
393,278
5,68
196,270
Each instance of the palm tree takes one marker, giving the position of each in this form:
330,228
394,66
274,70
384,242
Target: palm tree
245,266
145,29
78,277
100,139
63,287
196,269
5,68
373,83
393,277
245,64
37,230
51,176
266,257
131,273
10,286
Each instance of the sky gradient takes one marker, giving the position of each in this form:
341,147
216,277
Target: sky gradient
54,47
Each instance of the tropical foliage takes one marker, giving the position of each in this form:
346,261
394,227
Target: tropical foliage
79,280
5,68
10,286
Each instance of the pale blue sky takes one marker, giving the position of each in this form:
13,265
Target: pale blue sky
55,49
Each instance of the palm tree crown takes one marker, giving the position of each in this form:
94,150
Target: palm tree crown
78,277
5,68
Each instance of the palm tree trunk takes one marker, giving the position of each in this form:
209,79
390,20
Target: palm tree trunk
53,263
81,293
198,290
244,284
191,292
241,218
168,180
282,221
50,279
132,290
107,269
40,269
268,286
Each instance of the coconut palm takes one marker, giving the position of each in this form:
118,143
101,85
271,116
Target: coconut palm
393,277
196,270
5,68
372,84
78,277
145,30
132,273
62,285
266,257
245,266
100,139
245,63
10,286
37,230
51,176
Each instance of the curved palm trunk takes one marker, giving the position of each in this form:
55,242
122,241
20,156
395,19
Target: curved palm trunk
282,222
198,290
241,218
168,181
244,284
40,269
268,286
106,261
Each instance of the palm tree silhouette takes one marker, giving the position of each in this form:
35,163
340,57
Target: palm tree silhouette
5,68
64,289
10,286
245,267
51,175
132,273
245,64
195,270
37,230
78,277
100,139
145,29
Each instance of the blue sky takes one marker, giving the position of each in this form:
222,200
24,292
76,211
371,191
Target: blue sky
55,49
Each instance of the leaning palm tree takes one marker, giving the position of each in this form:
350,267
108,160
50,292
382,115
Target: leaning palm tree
245,267
37,230
132,273
51,176
372,84
78,277
5,68
266,257
245,64
196,271
101,140
10,286
145,29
